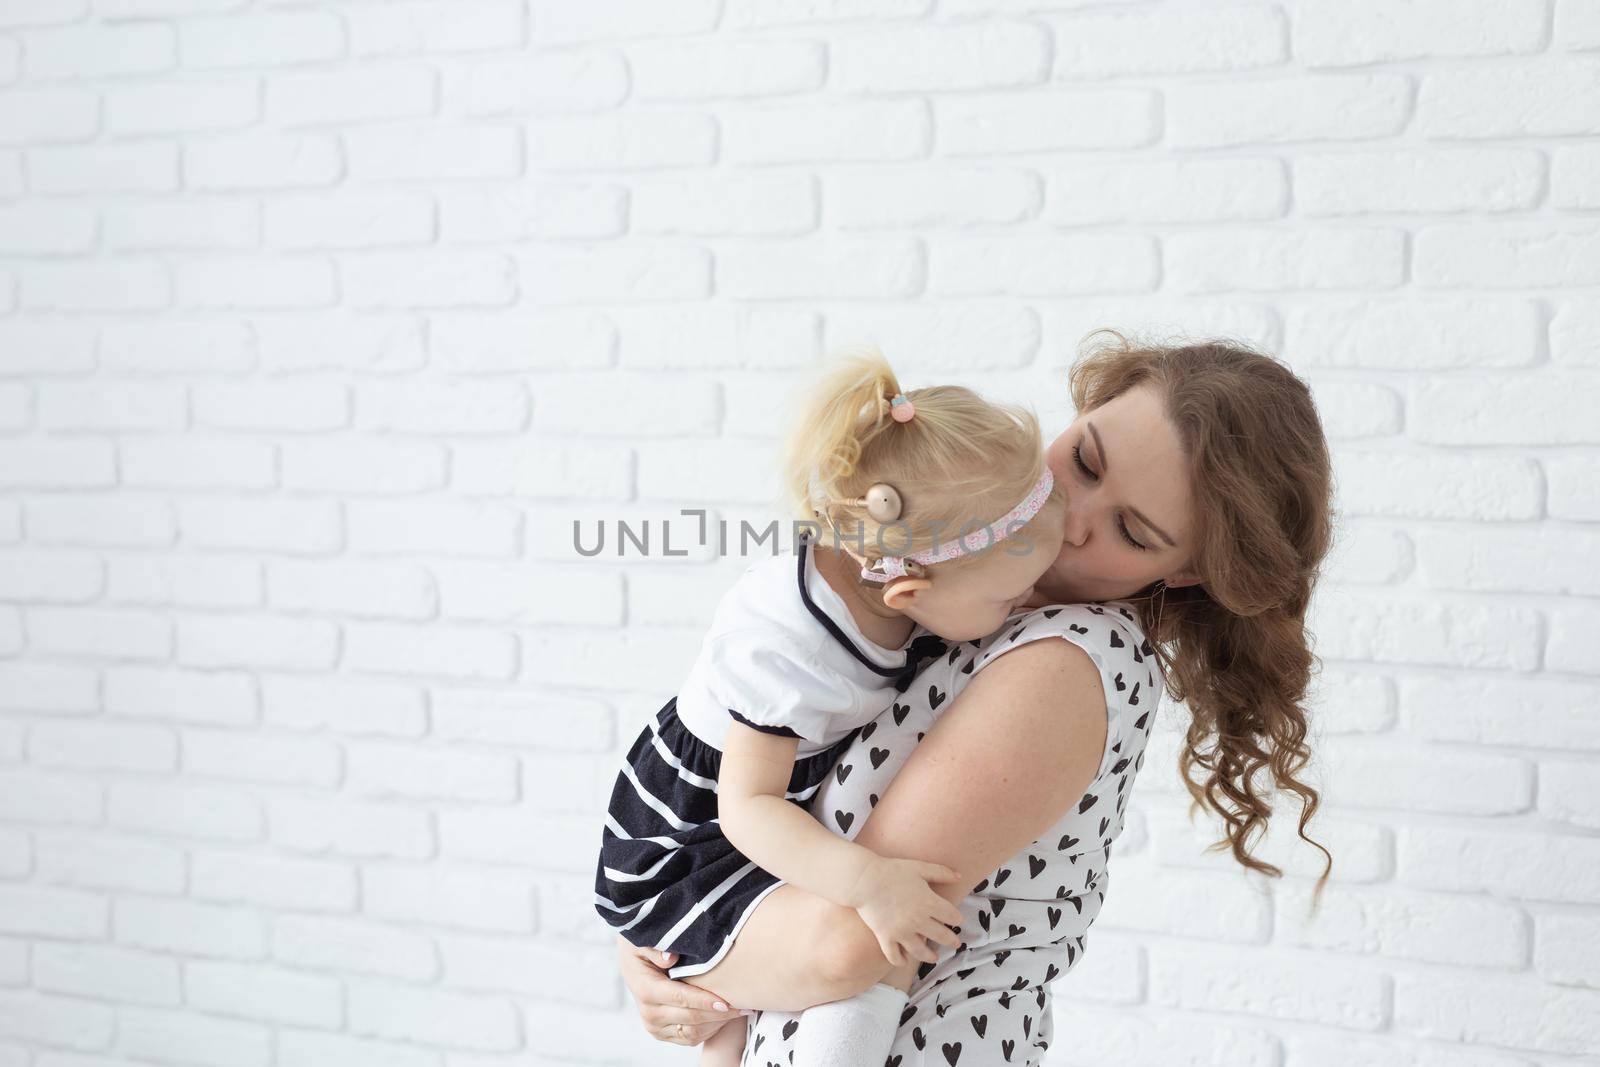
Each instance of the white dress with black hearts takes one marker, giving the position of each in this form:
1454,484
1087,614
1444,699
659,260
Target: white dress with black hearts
986,1003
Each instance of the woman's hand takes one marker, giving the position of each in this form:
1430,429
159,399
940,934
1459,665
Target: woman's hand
671,1010
894,900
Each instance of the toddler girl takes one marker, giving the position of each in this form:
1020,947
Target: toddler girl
941,513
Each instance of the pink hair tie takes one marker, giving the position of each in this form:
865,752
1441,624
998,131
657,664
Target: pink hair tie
901,408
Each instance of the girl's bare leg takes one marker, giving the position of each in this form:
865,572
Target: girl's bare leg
798,950
725,1047
783,958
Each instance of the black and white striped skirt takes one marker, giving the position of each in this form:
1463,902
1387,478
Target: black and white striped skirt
666,876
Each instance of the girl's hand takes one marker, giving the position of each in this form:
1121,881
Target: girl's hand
894,900
671,1010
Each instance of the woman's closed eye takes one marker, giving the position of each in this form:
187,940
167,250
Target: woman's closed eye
1122,526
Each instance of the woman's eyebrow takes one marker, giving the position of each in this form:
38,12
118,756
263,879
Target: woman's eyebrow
1100,449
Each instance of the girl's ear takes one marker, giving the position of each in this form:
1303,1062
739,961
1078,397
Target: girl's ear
904,590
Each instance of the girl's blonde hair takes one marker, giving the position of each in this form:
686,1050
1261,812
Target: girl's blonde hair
959,463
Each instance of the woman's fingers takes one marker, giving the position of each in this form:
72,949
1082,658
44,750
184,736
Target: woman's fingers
689,1035
938,872
665,1004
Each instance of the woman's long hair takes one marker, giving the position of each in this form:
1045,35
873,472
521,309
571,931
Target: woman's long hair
1234,648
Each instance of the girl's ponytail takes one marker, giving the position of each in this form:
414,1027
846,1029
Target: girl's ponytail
842,413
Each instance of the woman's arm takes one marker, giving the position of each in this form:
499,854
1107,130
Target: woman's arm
1019,746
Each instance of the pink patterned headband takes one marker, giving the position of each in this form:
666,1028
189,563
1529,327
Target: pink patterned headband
895,566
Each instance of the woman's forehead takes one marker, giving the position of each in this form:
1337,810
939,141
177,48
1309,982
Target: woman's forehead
1138,451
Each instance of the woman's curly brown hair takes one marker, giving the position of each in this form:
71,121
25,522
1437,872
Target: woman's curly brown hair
1235,647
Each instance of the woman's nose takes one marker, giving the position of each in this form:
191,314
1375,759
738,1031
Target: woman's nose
1075,529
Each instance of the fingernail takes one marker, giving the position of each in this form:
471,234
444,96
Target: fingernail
719,1005
746,1011
664,955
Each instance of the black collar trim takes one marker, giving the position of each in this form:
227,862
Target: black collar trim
832,627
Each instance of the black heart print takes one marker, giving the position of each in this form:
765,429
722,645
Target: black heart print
971,663
1116,639
1052,613
916,1035
1055,916
842,772
1006,1047
1016,633
952,1053
1075,628
1001,956
844,819
900,712
980,1023
999,877
873,800
1120,684
790,1027
1089,800
1133,697
1035,865
1000,904
878,755
905,1016
935,698
1139,723
869,729
1067,841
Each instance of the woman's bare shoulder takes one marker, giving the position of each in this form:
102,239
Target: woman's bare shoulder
1017,748
1048,694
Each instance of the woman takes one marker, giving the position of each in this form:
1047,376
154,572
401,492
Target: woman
1198,485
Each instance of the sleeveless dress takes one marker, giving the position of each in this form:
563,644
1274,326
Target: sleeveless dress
987,1002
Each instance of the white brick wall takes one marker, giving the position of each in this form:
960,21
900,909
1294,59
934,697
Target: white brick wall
320,323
